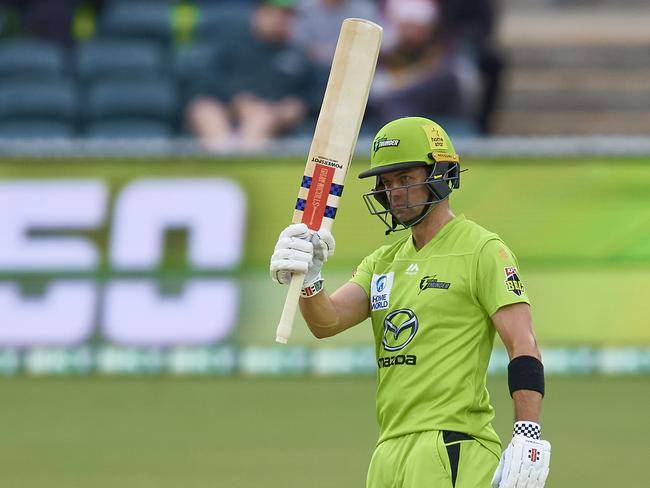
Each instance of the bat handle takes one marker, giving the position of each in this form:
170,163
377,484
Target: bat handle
283,332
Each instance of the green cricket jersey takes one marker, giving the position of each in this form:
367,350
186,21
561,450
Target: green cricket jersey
430,313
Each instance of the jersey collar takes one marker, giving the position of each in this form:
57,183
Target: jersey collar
446,229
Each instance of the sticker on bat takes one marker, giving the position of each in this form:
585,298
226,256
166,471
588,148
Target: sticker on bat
319,190
333,163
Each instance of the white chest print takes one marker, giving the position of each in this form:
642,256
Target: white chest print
413,269
380,291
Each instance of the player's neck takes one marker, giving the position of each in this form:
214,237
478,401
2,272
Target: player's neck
431,225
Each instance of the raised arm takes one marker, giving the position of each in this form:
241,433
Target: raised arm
328,315
300,250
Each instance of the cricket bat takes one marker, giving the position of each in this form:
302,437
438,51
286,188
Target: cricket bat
332,146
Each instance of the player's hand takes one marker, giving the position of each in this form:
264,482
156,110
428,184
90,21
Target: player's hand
300,250
524,464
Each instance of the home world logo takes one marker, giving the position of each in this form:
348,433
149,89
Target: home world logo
380,291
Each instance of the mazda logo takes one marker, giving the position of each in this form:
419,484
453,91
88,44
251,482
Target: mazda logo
396,324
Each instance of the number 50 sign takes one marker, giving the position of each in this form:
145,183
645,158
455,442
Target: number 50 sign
128,311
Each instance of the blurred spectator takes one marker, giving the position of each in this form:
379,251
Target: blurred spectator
319,21
421,72
48,19
471,23
260,86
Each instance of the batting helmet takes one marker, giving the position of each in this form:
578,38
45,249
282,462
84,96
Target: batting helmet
405,143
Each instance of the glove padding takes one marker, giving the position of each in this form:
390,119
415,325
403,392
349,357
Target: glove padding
300,250
524,464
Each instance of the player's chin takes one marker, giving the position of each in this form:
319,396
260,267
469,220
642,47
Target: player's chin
404,214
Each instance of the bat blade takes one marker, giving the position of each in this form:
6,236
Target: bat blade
335,137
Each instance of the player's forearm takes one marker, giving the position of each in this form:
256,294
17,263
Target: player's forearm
321,315
528,402
524,345
528,405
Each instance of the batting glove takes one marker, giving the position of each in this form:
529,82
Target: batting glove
526,460
300,250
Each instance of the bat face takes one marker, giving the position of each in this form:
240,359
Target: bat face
338,123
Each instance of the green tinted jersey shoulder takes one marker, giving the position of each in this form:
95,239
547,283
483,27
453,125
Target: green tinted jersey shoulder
388,252
470,237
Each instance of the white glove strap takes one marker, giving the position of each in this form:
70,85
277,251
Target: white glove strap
528,429
313,289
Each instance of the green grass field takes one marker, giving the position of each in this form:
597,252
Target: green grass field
96,432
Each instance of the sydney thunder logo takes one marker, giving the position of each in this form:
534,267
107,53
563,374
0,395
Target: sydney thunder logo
432,282
384,142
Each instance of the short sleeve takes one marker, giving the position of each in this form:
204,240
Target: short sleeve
498,279
363,274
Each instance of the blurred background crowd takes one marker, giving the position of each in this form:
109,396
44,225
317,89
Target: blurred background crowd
237,74
241,73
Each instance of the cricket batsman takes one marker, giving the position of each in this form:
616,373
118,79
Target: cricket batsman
436,298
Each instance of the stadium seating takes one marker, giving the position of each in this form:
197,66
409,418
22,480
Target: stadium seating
54,100
221,23
139,101
147,60
128,129
139,20
31,59
118,59
32,109
36,129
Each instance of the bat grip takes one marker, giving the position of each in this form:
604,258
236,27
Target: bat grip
283,332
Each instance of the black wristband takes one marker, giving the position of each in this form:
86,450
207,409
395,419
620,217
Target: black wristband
526,373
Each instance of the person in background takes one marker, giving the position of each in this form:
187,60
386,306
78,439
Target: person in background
471,23
421,72
51,20
260,86
318,23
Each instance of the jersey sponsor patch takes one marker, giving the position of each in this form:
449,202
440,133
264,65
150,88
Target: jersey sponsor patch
400,327
432,282
440,150
380,291
513,283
